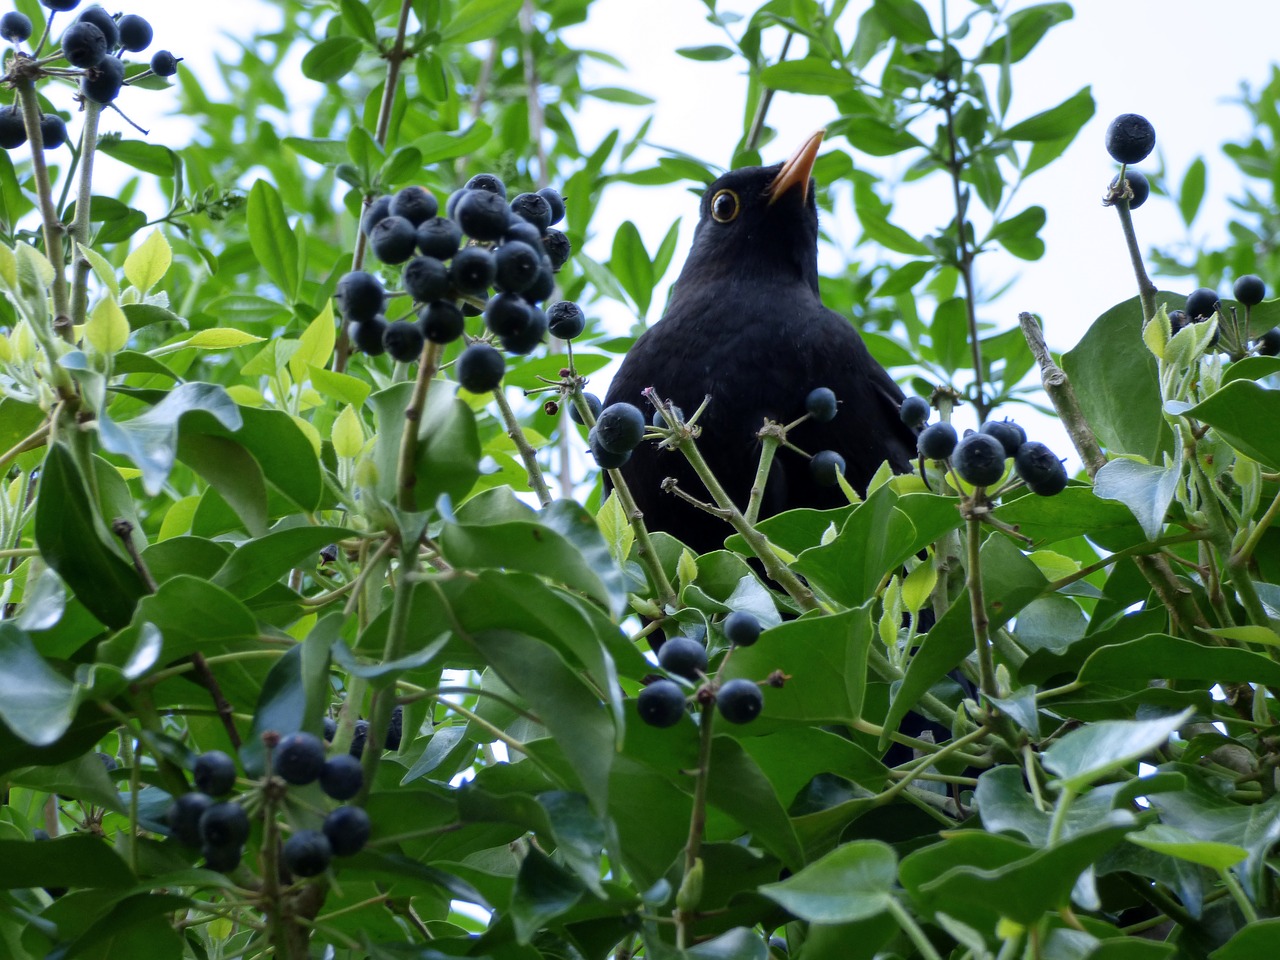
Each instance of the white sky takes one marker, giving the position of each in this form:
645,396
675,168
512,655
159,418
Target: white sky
1178,62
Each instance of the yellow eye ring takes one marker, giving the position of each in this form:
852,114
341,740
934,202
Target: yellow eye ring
724,206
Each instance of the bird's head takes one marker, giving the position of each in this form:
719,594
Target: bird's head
760,222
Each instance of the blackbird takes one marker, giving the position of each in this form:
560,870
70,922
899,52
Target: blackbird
747,327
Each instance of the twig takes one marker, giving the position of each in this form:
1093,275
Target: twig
1146,289
766,99
528,455
407,472
1062,396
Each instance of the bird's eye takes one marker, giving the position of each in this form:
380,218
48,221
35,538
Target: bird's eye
724,206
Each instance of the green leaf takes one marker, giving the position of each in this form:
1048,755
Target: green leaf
480,20
810,75
1116,382
294,695
1057,123
904,19
1087,754
445,146
1147,490
707,53
402,165
68,535
619,95
740,943
150,440
152,158
258,563
631,265
852,882
448,445
1024,29
1170,658
543,891
330,152
360,20
273,240
331,59
1173,842
741,790
233,472
77,860
1243,413
1192,192
1020,234
950,332
36,702
1254,941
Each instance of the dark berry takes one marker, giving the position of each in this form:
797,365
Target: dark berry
506,314
482,215
104,22
135,33
661,703
341,777
439,237
110,762
821,404
979,459
741,628
1178,319
1010,435
1269,343
533,334
937,441
425,279
479,368
84,45
660,421
1138,186
299,758
415,204
224,825
620,427
214,773
395,728
367,335
53,131
605,459
516,266
1041,469
472,270
594,404
359,736
533,208
914,412
566,320
1202,303
403,340
375,213
524,231
347,829
15,27
488,183
393,239
13,129
554,201
221,859
1130,138
1250,290
184,817
740,701
360,296
102,83
307,853
441,321
827,467
544,284
558,248
683,656
60,4
164,63
330,724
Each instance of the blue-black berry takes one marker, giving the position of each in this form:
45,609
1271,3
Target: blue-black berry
937,440
554,201
1130,138
341,777
425,279
104,22
403,340
214,773
620,427
164,63
488,183
566,320
1139,186
184,817
821,404
661,703
135,33
741,628
360,296
482,215
53,131
557,247
442,321
683,656
299,758
1268,344
1202,303
13,128
472,270
1250,290
1010,435
979,459
416,204
1041,469
367,335
479,368
347,829
15,27
307,853
533,208
739,701
439,237
605,459
83,45
516,266
224,826
393,239
594,403
914,412
827,467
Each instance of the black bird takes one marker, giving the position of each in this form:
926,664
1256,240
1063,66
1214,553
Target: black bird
746,326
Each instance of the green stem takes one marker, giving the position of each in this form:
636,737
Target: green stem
407,471
1238,894
1146,289
52,226
768,447
912,929
924,763
1255,535
528,455
978,611
1059,821
84,202
698,816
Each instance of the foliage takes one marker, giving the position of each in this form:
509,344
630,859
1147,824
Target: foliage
220,527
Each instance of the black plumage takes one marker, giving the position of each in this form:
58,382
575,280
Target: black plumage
746,325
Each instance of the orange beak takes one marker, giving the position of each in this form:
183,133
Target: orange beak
798,169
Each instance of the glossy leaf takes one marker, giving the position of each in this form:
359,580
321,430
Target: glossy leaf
852,882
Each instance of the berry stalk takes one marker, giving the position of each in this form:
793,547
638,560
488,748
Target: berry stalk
80,226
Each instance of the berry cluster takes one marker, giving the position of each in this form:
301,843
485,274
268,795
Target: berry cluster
93,46
979,457
662,702
220,827
513,250
1130,139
